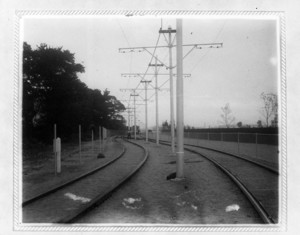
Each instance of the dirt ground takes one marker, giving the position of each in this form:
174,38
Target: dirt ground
204,196
39,170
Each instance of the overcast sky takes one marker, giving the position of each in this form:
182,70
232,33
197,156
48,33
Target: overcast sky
237,74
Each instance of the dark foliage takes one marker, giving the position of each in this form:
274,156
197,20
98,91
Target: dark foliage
53,94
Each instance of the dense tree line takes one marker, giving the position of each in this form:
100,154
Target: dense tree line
53,94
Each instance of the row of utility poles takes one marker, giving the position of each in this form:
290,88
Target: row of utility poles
179,92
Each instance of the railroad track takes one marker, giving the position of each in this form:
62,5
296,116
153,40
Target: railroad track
258,182
68,202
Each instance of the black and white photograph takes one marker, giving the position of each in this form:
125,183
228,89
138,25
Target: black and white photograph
150,120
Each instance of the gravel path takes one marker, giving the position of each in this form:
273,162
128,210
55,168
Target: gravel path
205,196
39,176
72,198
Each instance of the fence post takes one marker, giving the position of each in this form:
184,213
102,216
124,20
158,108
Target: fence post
100,138
54,148
238,143
92,141
208,136
222,145
79,143
256,145
104,133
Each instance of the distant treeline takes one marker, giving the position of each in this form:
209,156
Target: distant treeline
53,94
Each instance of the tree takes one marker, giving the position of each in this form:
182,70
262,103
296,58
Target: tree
274,122
166,125
49,88
52,93
270,107
259,124
239,124
227,118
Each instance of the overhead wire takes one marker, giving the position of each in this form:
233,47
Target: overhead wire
208,51
130,65
152,55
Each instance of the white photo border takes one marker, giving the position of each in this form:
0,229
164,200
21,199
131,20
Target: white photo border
17,125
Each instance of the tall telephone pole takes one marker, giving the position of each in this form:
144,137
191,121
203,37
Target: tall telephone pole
156,98
179,98
134,104
146,107
128,110
156,74
170,45
170,31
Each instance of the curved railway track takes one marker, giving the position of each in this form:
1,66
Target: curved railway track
67,202
258,182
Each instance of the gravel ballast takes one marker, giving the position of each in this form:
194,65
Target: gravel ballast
204,196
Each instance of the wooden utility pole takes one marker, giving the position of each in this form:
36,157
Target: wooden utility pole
170,45
156,98
179,110
156,74
146,107
134,105
134,95
169,31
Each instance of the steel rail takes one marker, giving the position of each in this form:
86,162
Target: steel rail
84,175
256,204
102,197
236,156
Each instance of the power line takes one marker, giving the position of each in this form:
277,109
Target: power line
208,51
124,35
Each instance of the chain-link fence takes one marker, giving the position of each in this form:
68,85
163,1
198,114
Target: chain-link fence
257,145
83,146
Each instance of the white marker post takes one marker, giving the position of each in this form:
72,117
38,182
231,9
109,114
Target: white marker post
58,155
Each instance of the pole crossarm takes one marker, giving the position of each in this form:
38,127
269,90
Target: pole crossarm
151,74
145,81
127,89
138,49
196,45
156,65
131,89
169,30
